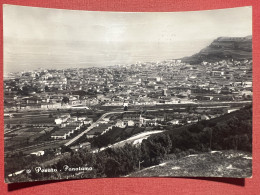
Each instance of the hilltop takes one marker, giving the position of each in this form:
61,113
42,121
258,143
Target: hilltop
237,48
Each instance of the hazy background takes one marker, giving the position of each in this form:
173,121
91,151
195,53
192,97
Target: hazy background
55,38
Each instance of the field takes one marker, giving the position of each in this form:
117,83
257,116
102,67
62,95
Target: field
30,119
22,136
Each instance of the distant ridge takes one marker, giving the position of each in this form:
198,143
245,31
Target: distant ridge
237,48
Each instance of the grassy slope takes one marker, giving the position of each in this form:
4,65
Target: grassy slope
219,164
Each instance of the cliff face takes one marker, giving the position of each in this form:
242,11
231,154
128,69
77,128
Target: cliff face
237,48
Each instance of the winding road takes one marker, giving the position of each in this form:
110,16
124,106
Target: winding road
89,128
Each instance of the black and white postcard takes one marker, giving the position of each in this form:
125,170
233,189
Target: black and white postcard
92,94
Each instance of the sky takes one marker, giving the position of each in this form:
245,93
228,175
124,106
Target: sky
56,38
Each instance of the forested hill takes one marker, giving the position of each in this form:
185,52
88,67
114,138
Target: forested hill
231,131
237,48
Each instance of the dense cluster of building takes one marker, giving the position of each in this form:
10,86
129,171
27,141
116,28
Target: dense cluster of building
166,82
69,125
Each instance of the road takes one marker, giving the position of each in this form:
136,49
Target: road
135,139
90,127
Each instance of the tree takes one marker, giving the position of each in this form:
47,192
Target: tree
46,88
65,100
111,167
25,90
76,160
106,89
209,131
154,147
101,140
65,149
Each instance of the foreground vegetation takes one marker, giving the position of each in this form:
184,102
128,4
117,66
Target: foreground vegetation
229,132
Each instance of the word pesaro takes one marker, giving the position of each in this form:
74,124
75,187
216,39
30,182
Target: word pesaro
45,170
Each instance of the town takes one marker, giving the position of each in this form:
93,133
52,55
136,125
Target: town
166,82
47,110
